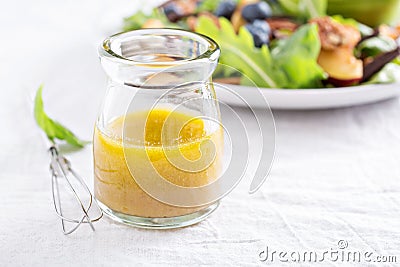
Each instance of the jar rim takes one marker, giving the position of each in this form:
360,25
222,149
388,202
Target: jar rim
105,49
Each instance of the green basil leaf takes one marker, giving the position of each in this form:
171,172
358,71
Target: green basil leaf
53,129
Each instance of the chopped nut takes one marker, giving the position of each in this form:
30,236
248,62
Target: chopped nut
334,39
282,24
334,35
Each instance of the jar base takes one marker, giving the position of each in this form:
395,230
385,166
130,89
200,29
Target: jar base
159,223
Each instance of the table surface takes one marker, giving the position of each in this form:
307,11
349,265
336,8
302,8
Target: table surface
335,175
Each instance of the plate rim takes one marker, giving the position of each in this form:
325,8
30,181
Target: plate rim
340,90
315,98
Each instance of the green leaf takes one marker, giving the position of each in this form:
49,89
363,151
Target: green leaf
208,5
53,129
396,61
238,51
390,73
137,20
305,9
345,21
297,58
376,45
292,65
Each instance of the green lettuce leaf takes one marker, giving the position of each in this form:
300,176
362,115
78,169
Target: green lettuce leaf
305,9
297,58
292,63
53,129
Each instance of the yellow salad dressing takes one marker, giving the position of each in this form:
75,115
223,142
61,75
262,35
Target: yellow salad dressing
114,185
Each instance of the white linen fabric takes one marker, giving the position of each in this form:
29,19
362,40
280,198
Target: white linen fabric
335,177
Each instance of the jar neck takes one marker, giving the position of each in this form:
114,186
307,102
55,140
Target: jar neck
140,76
158,58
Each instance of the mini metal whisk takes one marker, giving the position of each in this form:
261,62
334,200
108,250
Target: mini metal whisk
61,171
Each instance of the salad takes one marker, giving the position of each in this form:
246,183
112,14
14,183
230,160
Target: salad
284,43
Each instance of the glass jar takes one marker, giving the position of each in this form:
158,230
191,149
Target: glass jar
158,140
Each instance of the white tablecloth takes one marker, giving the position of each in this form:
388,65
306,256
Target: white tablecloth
335,177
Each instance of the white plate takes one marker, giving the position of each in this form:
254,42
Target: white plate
307,98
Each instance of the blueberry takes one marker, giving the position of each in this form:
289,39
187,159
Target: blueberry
225,9
262,25
173,12
260,10
260,31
